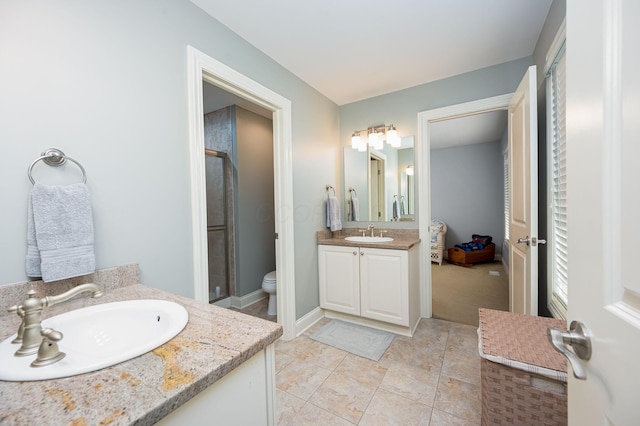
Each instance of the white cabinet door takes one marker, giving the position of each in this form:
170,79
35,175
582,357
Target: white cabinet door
384,285
339,279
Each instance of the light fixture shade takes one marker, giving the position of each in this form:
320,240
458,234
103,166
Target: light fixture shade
363,146
393,138
356,141
373,137
410,170
379,144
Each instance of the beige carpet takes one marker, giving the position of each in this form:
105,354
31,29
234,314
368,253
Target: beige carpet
459,291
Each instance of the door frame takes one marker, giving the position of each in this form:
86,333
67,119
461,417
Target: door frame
423,159
381,193
201,67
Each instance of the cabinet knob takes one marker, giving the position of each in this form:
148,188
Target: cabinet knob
355,252
361,253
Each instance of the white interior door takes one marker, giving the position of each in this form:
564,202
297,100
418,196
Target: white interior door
603,153
523,193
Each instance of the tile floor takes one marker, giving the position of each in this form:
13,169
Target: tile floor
432,378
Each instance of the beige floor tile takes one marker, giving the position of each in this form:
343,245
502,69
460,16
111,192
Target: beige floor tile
361,369
387,408
310,415
459,398
413,383
462,343
317,326
282,360
301,378
323,355
431,332
425,356
403,377
440,418
293,347
462,366
287,406
343,396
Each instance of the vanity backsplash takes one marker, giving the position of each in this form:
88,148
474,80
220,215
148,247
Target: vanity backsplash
108,279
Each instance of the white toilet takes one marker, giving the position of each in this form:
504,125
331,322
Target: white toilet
269,286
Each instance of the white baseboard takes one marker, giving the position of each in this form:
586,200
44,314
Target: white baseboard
248,299
308,320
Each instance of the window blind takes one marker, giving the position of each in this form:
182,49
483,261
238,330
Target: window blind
505,172
557,218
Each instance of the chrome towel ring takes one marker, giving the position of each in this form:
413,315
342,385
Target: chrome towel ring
56,158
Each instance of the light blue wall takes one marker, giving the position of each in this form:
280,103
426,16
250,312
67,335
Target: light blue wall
402,107
106,82
466,192
256,219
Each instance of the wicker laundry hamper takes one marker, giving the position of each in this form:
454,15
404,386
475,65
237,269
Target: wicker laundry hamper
524,379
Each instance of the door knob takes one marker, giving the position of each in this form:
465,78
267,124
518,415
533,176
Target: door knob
579,338
533,240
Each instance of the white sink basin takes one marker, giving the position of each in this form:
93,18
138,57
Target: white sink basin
369,239
99,336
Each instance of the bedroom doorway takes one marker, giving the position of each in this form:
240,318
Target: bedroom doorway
467,193
427,122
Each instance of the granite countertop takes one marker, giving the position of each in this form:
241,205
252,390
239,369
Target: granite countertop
402,239
147,388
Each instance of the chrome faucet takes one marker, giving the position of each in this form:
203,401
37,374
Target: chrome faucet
370,228
30,331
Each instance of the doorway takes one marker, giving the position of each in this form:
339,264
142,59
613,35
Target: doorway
467,195
377,195
201,67
426,121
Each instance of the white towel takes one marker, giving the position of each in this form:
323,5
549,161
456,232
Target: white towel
59,232
333,214
395,209
355,209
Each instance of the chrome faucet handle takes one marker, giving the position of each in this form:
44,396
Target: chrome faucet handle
363,231
48,353
18,310
382,232
370,228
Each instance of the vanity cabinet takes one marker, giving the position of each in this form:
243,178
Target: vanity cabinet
370,283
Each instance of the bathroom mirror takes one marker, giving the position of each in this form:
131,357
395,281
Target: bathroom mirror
382,181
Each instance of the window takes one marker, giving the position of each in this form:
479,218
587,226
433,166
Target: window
557,182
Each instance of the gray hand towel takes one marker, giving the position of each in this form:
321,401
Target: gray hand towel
60,232
333,214
355,209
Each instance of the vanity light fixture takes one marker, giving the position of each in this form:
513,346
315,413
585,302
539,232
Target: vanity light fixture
410,170
376,136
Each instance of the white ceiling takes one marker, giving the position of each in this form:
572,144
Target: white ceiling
357,49
353,50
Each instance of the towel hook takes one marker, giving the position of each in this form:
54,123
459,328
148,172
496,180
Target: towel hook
354,191
331,187
56,158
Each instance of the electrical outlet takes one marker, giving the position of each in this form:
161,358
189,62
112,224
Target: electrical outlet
494,273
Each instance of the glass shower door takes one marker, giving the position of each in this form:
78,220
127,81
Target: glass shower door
217,224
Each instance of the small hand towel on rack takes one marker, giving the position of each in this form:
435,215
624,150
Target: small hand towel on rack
59,232
333,213
355,208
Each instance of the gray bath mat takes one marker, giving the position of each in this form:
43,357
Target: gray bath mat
357,339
